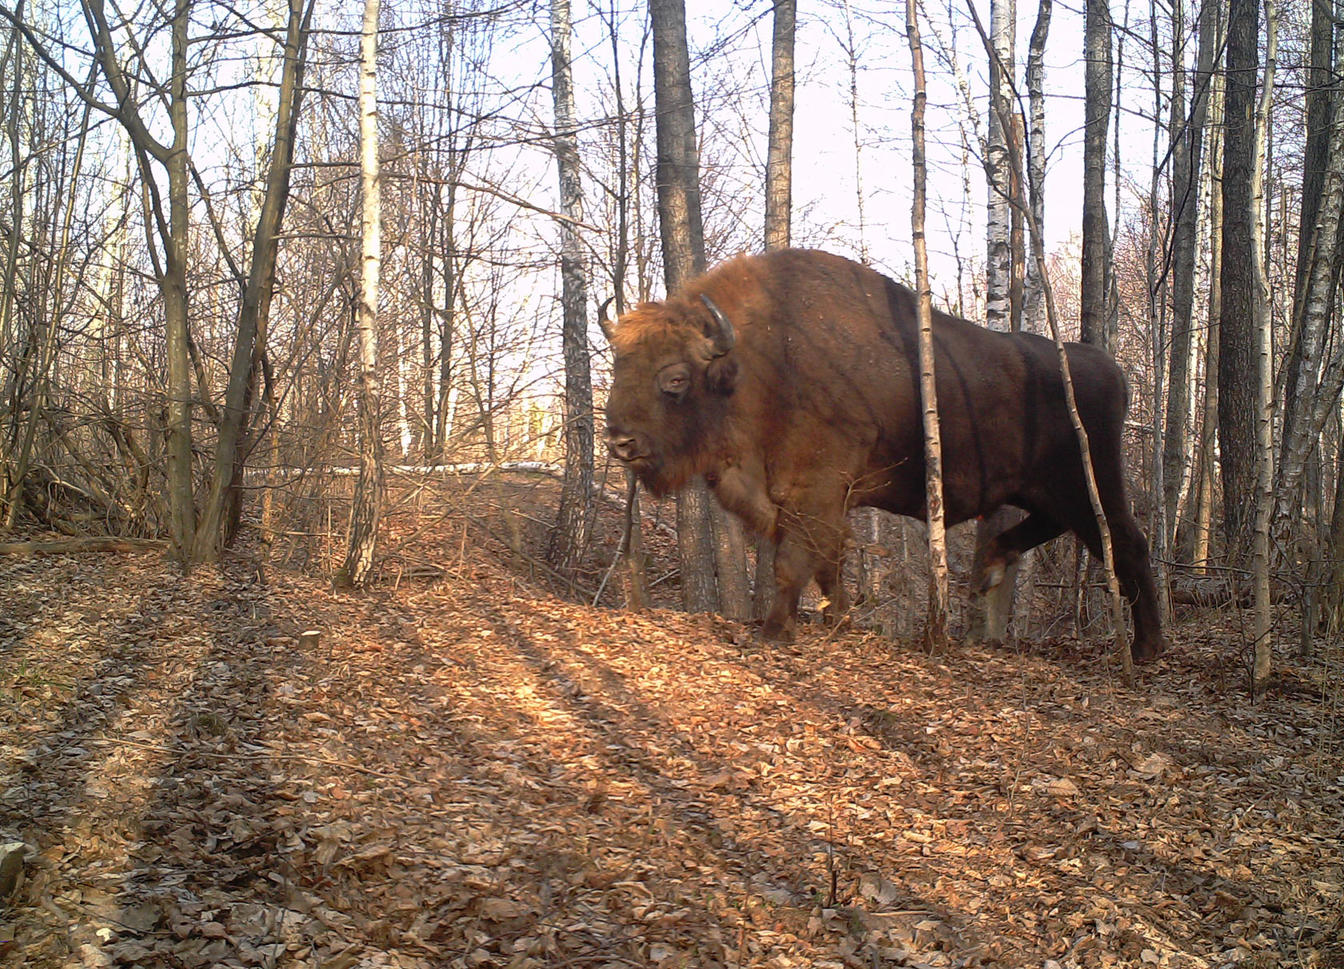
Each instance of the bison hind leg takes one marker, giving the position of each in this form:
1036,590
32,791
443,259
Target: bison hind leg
1003,551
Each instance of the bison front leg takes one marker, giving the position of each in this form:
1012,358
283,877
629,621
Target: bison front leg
810,546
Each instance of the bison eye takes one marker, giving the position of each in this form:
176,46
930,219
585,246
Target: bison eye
675,380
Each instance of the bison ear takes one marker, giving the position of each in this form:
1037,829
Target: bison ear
721,375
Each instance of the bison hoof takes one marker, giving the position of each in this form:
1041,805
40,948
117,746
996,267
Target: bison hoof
777,632
992,576
1147,650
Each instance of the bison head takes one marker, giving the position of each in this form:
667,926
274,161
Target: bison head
671,380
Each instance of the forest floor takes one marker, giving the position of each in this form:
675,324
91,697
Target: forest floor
465,770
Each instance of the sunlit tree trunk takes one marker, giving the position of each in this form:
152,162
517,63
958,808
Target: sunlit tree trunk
570,535
181,502
367,507
1206,473
935,630
225,492
684,258
778,220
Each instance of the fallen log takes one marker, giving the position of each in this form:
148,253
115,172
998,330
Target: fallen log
89,543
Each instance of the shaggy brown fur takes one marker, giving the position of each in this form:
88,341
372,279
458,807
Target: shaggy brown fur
814,409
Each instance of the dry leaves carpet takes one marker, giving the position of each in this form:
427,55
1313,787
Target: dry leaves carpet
464,773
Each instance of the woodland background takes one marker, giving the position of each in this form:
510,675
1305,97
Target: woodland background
302,525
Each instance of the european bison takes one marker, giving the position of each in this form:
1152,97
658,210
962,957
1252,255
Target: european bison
790,381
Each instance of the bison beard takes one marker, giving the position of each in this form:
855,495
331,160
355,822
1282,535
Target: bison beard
790,381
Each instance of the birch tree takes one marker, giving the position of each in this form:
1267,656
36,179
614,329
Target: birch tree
1318,265
1264,402
935,631
367,507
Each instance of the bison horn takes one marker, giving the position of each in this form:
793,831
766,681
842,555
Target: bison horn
603,320
724,338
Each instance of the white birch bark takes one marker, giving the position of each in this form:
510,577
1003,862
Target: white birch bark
366,509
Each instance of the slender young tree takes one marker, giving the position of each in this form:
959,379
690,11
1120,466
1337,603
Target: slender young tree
367,508
1264,403
222,504
779,159
570,534
990,614
778,219
1033,294
935,630
1318,267
1096,257
1187,143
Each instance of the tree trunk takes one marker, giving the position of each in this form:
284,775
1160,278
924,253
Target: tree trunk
1186,162
935,632
1095,284
367,507
683,259
226,483
570,535
1033,298
779,160
1237,396
999,206
990,614
1264,404
778,221
181,503
1318,263
1206,474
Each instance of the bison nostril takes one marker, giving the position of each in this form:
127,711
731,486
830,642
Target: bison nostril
621,445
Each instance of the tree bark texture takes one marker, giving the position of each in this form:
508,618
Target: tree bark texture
935,630
1033,296
999,310
683,238
1186,163
1237,388
1096,257
779,158
570,535
1318,267
367,507
249,345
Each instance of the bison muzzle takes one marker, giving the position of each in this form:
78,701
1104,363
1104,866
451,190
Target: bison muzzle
790,380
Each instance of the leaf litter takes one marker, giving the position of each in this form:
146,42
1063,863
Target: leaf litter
469,772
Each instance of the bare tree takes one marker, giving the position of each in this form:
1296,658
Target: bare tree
367,507
935,630
219,517
778,219
569,537
1237,396
683,239
1264,401
1187,142
1096,256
